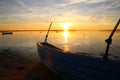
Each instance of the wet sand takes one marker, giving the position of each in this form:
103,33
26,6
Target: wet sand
14,66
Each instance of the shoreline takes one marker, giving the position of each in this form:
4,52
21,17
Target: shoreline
14,66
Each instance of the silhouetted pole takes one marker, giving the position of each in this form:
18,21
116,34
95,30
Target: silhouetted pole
109,40
48,32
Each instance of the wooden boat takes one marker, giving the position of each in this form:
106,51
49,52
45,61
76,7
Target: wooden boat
77,66
7,33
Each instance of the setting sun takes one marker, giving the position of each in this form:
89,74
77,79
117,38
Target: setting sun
66,25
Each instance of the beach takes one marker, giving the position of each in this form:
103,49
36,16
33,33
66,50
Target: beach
15,66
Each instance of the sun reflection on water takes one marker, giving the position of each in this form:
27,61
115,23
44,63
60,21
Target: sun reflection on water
66,48
65,34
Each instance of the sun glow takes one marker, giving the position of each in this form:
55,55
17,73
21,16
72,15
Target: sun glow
66,25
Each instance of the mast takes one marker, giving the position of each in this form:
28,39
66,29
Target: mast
109,40
48,32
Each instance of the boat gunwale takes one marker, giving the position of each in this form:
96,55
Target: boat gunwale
45,44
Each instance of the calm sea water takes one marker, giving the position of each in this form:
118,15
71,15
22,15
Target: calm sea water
88,42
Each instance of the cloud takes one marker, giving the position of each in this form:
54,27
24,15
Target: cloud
25,6
108,9
95,1
34,11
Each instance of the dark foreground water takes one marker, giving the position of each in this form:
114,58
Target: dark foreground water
88,42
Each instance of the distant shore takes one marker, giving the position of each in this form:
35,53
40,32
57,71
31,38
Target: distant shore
54,30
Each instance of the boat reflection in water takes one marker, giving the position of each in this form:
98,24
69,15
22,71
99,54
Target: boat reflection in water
77,66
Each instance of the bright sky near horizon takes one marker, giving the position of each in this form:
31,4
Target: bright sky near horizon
37,14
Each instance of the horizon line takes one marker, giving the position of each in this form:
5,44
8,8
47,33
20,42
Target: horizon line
60,30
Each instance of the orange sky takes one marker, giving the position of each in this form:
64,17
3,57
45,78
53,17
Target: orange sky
58,26
37,15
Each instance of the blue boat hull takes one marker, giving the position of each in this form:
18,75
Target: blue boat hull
76,66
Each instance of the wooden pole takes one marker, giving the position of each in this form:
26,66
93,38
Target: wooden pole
48,32
109,40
